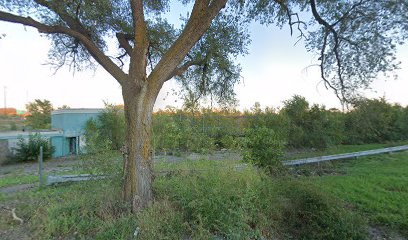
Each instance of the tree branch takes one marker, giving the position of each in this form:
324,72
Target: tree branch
138,58
298,22
331,30
200,20
95,52
123,40
63,14
180,70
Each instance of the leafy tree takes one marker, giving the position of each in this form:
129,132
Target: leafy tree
356,41
40,114
64,107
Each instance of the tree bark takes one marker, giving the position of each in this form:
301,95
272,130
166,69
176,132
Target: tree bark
138,162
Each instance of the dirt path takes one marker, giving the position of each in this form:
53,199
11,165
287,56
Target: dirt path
30,168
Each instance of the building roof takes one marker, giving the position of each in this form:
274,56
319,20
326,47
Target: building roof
76,110
17,134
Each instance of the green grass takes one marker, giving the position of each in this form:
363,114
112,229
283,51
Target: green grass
17,179
376,186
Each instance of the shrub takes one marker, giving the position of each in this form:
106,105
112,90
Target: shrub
30,150
263,148
107,131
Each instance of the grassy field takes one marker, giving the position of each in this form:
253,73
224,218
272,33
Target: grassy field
206,199
376,187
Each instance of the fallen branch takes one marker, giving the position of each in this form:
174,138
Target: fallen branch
13,214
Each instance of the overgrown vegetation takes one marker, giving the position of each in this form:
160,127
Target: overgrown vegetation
206,199
298,125
211,200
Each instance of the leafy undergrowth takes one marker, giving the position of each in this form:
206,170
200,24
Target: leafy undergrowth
376,186
219,202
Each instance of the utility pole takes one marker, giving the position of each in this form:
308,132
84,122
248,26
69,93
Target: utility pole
5,100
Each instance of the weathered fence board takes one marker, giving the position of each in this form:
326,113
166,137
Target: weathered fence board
344,156
71,178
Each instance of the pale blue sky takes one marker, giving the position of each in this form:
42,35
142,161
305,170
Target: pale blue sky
273,71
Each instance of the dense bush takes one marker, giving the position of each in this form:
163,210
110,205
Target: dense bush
30,150
375,121
181,130
263,148
311,127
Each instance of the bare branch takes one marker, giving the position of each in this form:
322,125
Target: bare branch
180,70
95,52
298,22
123,40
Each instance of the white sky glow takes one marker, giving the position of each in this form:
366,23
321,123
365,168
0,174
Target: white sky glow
273,71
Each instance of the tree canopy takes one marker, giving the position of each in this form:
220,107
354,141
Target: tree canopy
40,114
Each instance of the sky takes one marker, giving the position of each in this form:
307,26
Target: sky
274,70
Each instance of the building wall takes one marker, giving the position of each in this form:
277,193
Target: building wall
58,143
72,122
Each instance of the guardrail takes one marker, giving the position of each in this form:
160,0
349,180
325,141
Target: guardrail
344,156
50,180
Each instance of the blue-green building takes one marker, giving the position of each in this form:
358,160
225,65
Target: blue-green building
66,135
71,123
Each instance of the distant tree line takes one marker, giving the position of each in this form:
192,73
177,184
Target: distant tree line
298,124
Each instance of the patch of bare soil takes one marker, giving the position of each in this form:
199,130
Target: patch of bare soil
17,188
380,233
52,165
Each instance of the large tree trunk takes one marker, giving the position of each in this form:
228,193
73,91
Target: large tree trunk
138,162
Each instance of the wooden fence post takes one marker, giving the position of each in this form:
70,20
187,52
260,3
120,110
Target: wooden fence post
40,170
